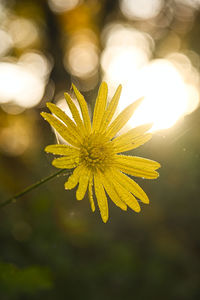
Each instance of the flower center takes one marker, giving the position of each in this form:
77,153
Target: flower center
96,152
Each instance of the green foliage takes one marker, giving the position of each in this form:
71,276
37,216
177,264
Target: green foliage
14,281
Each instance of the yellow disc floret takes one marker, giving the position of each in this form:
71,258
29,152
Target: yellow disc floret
96,152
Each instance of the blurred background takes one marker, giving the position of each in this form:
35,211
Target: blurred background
52,245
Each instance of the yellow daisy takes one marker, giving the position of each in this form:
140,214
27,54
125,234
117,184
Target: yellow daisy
94,151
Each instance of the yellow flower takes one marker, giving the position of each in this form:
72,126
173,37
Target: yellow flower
94,151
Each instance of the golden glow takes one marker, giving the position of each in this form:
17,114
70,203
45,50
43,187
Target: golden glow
165,95
23,82
141,9
169,86
193,98
122,63
81,56
59,6
6,42
36,63
119,34
82,60
127,51
19,84
23,32
14,138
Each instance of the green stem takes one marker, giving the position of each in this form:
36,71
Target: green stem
29,188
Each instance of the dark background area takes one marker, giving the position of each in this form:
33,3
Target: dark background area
52,246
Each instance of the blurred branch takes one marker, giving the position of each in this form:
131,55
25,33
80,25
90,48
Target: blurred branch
29,188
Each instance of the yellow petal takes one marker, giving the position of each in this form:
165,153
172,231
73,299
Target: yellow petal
127,197
83,184
111,109
101,198
138,162
73,179
62,115
66,162
110,189
139,173
131,186
60,149
84,109
122,119
75,114
61,129
134,143
100,106
131,136
137,166
90,192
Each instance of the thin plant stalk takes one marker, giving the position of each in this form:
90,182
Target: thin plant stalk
29,188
